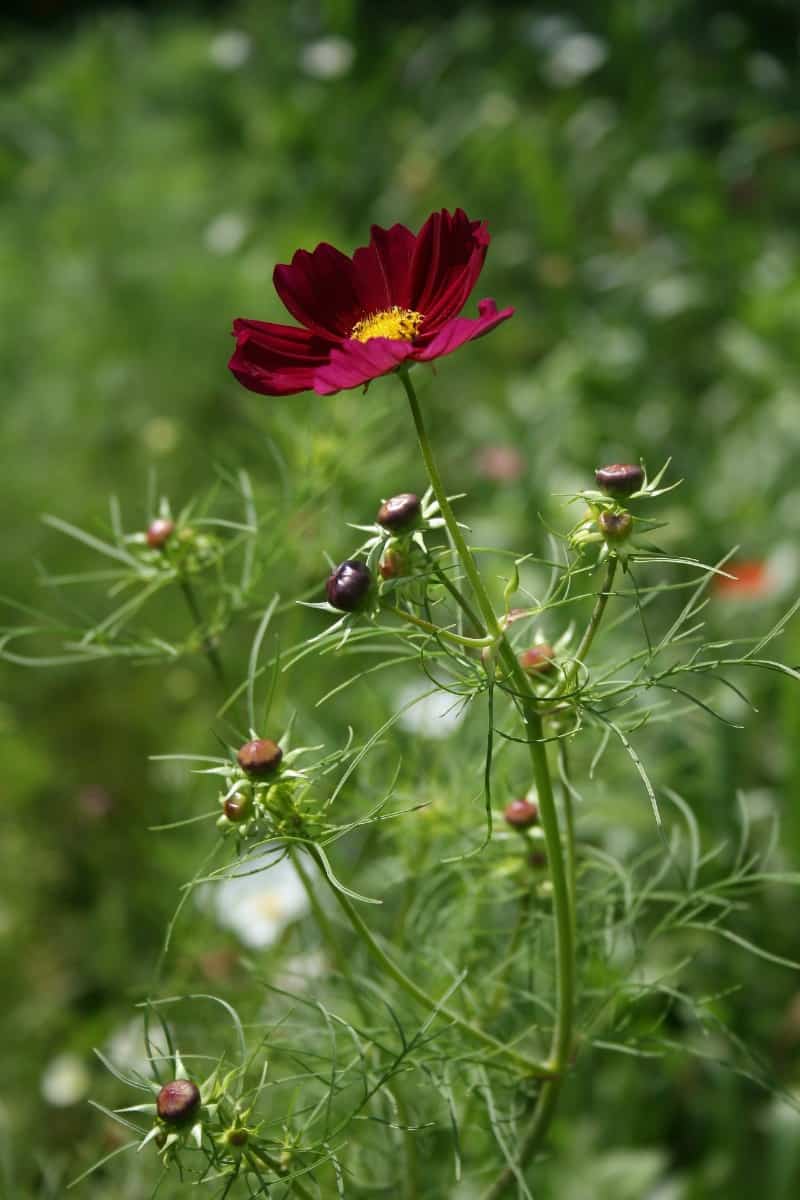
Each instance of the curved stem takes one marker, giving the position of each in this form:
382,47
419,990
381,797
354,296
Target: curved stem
472,643
601,600
540,1122
527,703
522,1062
210,650
342,965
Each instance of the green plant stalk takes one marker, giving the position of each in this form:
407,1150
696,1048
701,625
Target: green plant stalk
295,1186
456,638
561,1042
569,826
571,674
328,934
528,1066
209,648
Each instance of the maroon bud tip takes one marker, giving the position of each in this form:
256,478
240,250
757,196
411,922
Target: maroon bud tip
521,814
539,659
400,511
260,757
537,859
392,565
159,532
348,585
620,479
237,807
178,1101
615,526
237,1137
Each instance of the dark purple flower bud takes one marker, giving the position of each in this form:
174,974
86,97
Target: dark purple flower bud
614,526
260,757
236,808
539,659
620,479
178,1101
537,859
159,532
399,512
521,814
348,585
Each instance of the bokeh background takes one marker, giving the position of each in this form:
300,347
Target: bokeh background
638,164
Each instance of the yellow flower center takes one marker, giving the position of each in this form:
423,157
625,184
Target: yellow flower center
400,324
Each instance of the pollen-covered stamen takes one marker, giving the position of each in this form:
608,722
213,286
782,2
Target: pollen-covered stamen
399,324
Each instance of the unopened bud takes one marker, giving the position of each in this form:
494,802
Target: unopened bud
236,807
178,1101
539,659
614,526
521,814
399,512
392,565
236,1137
348,585
260,757
620,479
159,532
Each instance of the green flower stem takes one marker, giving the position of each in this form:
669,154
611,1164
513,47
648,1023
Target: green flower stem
528,1066
472,643
209,648
540,1122
569,825
601,600
296,1188
527,702
342,965
460,600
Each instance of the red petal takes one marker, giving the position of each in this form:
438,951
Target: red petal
276,360
448,259
462,329
354,363
381,270
319,291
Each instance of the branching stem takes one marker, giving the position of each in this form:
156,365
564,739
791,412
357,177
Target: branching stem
561,1043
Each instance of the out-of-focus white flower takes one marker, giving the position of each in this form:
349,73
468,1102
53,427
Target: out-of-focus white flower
328,58
126,1048
259,905
225,233
573,57
433,716
301,970
65,1080
230,50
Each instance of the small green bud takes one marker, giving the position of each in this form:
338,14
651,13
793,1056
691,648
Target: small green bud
237,808
615,526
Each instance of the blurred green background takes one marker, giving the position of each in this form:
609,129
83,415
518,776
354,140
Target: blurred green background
638,164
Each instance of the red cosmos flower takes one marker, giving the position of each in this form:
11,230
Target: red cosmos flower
395,301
